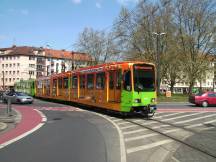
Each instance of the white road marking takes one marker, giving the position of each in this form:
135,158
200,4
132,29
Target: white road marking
122,144
172,130
117,120
129,126
145,147
161,126
202,129
201,124
134,131
147,123
167,115
178,117
176,160
26,133
190,120
140,137
122,123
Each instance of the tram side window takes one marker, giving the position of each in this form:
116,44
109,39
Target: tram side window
65,83
82,81
100,80
60,83
111,80
74,82
127,80
90,81
118,79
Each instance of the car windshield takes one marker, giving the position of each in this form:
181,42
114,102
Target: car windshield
199,94
20,94
144,78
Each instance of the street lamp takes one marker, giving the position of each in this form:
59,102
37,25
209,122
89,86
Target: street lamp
158,35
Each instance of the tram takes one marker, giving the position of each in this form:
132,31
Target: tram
124,87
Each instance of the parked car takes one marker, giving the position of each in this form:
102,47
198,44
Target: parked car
17,97
204,99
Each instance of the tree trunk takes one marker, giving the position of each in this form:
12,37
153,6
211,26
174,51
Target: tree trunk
190,87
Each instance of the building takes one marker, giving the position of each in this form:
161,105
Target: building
208,82
23,62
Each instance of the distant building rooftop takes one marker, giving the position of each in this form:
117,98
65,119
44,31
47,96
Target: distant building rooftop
45,52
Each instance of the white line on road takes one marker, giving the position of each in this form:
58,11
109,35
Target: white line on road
152,145
122,144
178,117
167,115
134,131
190,120
140,137
26,133
129,126
201,124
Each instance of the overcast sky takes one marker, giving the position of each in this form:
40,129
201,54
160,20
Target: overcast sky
56,23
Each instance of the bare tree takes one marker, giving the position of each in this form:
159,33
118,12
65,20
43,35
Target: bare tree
98,44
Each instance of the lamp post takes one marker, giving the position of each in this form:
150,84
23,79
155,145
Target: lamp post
157,59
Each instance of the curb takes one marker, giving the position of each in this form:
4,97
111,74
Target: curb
3,126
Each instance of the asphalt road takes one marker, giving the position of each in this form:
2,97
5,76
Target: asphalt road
67,136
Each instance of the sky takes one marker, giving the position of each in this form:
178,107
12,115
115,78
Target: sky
54,23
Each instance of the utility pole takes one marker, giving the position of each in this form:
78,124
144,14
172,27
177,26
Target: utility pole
157,59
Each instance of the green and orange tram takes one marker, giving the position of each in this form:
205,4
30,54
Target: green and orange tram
125,87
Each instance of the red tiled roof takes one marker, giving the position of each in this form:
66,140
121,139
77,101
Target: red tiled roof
26,50
67,54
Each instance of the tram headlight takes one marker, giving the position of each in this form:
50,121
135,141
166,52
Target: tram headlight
153,100
137,100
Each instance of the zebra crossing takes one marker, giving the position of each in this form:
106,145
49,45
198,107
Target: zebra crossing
181,125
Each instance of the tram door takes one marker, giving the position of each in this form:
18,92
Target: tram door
115,78
100,89
65,88
82,86
54,87
74,87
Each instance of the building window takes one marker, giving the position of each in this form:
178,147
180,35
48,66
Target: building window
31,58
13,79
9,72
32,65
31,73
18,72
18,64
14,72
10,65
2,65
2,58
6,65
6,72
14,64
57,67
17,78
9,79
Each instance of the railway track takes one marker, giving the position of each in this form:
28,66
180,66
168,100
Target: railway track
173,137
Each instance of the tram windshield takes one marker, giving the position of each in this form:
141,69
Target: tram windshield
144,78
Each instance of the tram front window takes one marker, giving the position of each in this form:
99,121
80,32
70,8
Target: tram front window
144,78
